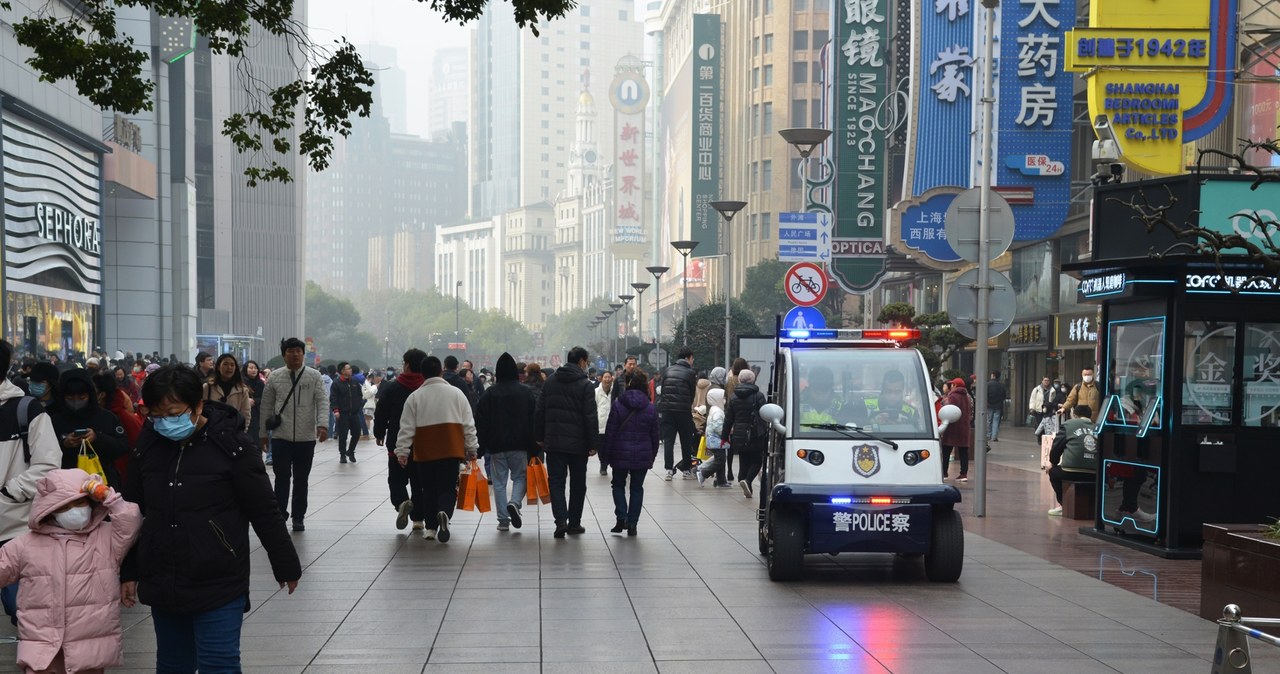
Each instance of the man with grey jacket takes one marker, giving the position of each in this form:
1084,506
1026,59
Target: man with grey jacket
295,409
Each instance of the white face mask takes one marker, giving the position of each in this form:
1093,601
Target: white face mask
1087,378
74,519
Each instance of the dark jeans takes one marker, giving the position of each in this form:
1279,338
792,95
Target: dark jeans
749,462
439,481
573,467
348,424
962,452
621,509
405,484
600,455
1057,476
292,459
715,465
681,423
208,641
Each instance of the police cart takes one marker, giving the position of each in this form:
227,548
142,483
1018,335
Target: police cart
853,461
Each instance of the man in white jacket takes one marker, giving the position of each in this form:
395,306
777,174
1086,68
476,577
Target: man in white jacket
438,426
24,460
604,403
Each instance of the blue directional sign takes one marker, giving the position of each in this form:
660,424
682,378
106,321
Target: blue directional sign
803,318
804,237
601,363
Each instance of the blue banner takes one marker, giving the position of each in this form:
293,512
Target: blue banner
924,228
1035,114
946,86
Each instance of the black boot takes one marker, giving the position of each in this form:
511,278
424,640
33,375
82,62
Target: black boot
631,530
617,528
352,455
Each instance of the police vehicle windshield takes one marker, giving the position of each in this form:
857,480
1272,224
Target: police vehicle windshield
881,390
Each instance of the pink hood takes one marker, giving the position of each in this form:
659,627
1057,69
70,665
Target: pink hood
56,489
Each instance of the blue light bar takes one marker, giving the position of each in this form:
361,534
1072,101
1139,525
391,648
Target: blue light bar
841,500
810,334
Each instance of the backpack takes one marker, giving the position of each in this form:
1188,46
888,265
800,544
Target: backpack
15,420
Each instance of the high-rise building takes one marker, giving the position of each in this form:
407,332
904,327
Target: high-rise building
392,84
523,94
450,98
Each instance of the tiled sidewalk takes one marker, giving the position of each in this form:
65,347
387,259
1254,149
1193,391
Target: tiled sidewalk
689,594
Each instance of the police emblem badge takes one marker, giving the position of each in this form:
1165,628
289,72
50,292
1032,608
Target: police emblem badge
866,460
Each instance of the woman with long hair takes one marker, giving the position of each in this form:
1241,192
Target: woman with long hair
255,382
225,385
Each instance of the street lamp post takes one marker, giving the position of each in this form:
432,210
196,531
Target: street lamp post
614,336
640,288
727,210
657,272
805,141
684,248
457,307
626,323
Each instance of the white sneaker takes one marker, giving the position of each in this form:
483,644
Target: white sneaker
402,514
702,478
503,526
1056,512
669,475
428,534
688,474
1142,515
746,488
417,526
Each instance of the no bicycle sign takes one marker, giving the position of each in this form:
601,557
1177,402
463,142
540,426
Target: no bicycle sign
805,284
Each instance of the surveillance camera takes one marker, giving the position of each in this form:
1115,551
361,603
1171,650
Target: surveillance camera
1106,151
1117,170
1102,127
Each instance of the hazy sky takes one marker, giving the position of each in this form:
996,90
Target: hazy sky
409,26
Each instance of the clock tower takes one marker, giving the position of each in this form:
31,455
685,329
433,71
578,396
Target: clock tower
584,158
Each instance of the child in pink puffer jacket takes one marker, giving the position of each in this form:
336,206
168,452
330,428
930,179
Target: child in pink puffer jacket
69,568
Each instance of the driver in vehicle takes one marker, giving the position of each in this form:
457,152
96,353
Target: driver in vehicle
818,402
891,407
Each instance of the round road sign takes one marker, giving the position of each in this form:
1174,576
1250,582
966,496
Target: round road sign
805,284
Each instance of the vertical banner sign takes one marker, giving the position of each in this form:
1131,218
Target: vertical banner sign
704,220
1033,166
629,94
1160,77
860,83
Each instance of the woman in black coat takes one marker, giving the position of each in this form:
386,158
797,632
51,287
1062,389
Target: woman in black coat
80,422
255,384
200,483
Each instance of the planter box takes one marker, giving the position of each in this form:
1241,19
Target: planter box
1240,566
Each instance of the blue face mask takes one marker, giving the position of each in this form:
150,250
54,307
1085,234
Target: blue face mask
177,428
38,389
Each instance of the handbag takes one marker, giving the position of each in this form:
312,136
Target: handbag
703,453
89,462
538,487
1046,446
1031,419
473,490
273,422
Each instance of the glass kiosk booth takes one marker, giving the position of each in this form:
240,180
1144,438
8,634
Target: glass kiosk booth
1189,362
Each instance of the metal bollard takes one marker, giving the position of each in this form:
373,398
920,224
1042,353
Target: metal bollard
1231,654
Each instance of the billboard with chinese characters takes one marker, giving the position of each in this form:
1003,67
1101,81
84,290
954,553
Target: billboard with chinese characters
1033,160
629,95
704,220
861,73
1148,74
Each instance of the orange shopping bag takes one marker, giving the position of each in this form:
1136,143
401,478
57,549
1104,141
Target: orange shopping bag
467,490
538,487
481,485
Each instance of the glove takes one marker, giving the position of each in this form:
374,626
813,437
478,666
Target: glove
96,489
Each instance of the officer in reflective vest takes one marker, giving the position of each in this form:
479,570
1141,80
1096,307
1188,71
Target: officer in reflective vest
891,407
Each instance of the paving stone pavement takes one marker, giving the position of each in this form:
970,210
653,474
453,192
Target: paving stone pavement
689,594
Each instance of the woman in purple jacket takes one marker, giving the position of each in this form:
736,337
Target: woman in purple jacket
631,444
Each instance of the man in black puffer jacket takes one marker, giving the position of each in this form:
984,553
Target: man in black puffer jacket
747,438
404,482
675,406
201,483
565,423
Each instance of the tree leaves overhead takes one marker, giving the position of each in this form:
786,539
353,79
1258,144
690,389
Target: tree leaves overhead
331,88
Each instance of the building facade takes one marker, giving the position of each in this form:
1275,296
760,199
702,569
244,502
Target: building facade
450,96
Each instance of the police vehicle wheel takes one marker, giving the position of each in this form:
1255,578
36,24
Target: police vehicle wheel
786,550
945,559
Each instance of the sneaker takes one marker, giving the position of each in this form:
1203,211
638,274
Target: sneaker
560,530
442,533
428,534
702,478
402,514
352,456
503,526
513,511
746,488
1056,512
724,485
687,474
963,478
669,475
342,458
1142,515
418,526
298,526
575,529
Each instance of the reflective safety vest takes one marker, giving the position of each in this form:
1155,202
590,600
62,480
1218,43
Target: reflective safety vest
873,408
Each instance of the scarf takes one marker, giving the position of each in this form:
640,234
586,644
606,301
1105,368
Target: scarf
411,380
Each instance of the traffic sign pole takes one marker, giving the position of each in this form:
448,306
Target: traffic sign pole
984,262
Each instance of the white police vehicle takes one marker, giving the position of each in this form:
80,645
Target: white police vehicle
854,463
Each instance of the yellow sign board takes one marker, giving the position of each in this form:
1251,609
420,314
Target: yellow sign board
1150,85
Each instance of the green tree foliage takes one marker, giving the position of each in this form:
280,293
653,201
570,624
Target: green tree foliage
334,324
939,342
331,87
763,296
706,334
569,329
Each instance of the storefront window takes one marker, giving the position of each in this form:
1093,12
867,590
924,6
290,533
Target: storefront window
1262,374
1208,373
1032,277
1074,247
931,302
1135,370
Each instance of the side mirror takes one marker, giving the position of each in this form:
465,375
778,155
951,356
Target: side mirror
774,414
949,414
